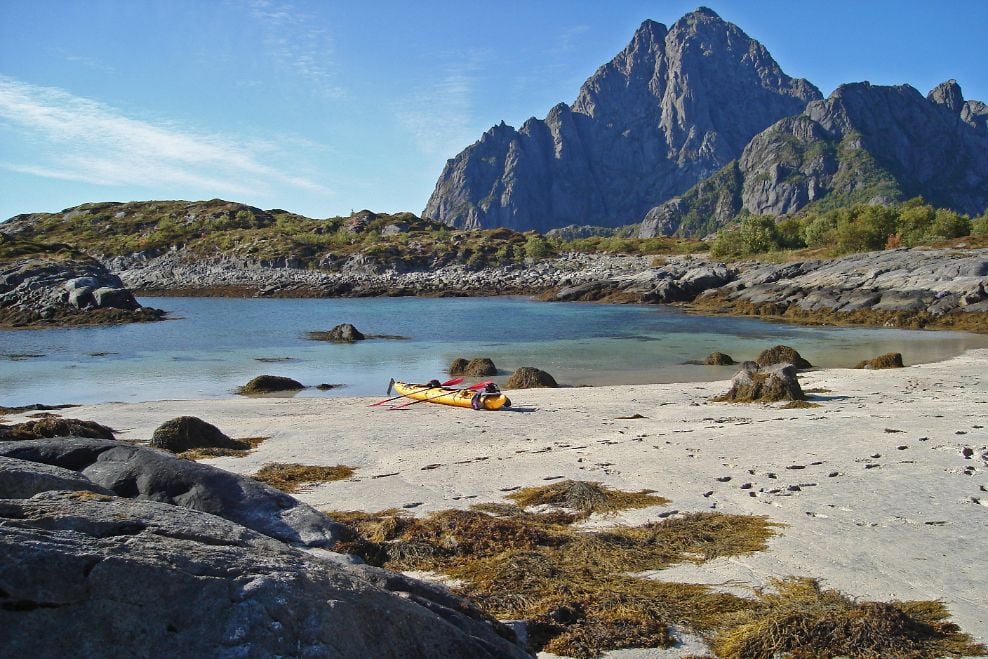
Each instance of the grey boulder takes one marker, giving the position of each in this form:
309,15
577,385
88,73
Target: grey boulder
143,473
86,575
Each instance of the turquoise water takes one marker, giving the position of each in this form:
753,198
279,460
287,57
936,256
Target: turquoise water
213,345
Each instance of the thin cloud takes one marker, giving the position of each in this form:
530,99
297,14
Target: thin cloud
290,37
86,141
441,118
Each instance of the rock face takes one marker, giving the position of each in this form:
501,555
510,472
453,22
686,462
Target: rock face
672,108
764,384
185,433
865,143
90,575
528,377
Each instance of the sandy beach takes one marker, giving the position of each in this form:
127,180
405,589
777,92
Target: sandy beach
873,486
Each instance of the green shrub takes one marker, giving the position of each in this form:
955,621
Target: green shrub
536,247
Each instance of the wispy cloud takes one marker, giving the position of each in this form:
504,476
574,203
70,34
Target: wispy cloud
82,140
441,116
298,43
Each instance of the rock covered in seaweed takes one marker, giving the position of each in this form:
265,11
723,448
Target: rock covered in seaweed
267,384
185,433
54,427
718,359
528,377
888,360
782,355
476,367
763,384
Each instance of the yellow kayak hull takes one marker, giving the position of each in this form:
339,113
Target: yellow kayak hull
454,397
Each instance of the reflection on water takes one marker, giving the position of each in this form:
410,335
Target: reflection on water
215,345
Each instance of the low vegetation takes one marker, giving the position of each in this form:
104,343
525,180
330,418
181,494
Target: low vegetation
277,237
291,477
583,592
844,230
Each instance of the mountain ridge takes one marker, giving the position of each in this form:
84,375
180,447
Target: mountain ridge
690,125
863,144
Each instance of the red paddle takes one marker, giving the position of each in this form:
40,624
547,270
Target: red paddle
447,383
472,387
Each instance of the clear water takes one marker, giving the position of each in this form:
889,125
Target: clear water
214,345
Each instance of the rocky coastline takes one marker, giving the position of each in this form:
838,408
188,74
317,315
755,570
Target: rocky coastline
927,288
910,288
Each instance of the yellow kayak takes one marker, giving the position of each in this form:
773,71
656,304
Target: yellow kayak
489,398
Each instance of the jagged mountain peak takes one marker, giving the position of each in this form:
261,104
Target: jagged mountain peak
949,95
670,108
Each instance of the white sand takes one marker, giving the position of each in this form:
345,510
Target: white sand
886,507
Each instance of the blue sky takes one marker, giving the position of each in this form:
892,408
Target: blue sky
323,107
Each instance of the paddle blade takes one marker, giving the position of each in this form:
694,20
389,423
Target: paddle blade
450,383
479,385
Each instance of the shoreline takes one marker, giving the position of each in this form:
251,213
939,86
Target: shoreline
877,496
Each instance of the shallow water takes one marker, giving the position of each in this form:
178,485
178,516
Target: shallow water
213,345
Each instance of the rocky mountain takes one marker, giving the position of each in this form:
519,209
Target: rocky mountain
864,143
675,106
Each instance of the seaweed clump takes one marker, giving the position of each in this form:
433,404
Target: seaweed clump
245,446
585,497
291,477
800,619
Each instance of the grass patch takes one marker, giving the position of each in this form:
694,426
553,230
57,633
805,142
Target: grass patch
800,619
248,445
291,477
799,404
585,497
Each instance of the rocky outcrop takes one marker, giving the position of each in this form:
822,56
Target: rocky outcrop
673,107
39,290
678,280
185,433
865,143
86,574
344,333
901,287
